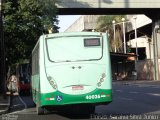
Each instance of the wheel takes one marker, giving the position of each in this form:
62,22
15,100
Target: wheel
91,109
40,110
87,109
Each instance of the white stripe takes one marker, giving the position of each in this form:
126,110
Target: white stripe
51,98
17,112
3,104
23,102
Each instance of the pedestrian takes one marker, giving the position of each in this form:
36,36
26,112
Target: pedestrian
13,88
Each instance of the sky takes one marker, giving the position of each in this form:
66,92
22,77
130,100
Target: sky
66,20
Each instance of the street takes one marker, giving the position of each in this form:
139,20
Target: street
129,99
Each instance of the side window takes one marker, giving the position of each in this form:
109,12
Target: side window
35,61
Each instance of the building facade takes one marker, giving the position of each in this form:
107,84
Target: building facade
143,43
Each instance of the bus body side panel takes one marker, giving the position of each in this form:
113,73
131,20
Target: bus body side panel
35,73
44,85
107,59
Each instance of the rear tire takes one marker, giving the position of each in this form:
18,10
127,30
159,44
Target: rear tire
92,110
89,109
86,109
40,110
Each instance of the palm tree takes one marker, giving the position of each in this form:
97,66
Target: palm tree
104,23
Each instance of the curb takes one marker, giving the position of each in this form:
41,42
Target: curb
4,106
3,112
136,82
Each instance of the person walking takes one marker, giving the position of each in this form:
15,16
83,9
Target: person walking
13,88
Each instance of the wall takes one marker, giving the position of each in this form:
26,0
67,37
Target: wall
123,70
143,42
77,26
145,70
84,23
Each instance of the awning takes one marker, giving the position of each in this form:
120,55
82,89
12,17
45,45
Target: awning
121,57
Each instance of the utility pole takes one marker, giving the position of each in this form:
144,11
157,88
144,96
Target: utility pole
124,35
2,54
155,49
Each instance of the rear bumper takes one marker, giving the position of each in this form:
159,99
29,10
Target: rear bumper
98,96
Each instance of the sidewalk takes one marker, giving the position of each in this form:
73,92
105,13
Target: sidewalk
149,82
4,103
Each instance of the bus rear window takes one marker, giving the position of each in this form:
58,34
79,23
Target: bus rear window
92,42
74,48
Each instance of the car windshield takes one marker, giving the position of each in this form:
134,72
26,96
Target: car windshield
67,49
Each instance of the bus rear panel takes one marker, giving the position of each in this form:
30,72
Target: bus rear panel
72,68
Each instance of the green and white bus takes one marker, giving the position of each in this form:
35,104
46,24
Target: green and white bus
71,69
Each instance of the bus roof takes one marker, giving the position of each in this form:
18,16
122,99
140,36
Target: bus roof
71,34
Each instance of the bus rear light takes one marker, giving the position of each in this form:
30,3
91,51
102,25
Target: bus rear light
52,83
107,95
101,80
55,86
102,93
49,78
99,84
47,99
103,75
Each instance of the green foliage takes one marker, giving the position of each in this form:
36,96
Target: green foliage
104,23
24,22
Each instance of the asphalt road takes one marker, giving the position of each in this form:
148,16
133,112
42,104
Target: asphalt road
130,100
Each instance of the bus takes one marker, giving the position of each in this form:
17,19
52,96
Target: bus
71,69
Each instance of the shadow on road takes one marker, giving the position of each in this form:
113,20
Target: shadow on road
75,116
128,99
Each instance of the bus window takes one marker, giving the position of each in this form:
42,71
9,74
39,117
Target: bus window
74,48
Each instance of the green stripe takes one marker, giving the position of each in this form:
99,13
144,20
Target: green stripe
92,97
